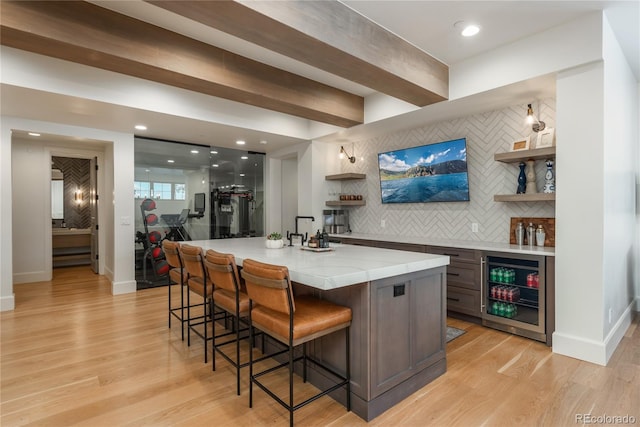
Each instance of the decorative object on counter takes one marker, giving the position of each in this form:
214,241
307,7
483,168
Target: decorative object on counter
274,241
303,237
549,225
320,240
549,179
522,180
531,176
546,138
531,232
520,234
536,125
540,234
520,144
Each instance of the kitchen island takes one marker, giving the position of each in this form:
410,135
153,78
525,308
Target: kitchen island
398,299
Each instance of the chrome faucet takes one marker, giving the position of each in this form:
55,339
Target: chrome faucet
303,237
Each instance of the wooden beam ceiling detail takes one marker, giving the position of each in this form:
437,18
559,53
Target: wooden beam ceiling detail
330,36
87,34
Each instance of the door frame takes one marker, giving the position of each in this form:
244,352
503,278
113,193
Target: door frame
77,153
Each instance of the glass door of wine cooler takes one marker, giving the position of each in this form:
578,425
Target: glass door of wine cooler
514,294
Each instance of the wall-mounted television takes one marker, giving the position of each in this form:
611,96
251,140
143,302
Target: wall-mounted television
428,173
199,202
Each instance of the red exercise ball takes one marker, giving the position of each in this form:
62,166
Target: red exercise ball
152,219
162,268
148,204
157,253
155,237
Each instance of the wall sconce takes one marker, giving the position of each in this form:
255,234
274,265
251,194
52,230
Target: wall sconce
536,125
78,196
344,153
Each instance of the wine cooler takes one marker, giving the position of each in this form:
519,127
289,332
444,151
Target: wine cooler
514,294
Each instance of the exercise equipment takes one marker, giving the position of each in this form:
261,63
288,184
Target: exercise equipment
152,242
176,222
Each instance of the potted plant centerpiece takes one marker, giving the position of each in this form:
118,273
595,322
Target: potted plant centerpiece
274,241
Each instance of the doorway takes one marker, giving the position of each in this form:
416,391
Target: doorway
74,212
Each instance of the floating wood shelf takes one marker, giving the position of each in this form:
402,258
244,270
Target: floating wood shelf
532,197
345,202
345,176
524,155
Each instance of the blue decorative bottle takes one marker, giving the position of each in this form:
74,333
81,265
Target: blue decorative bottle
522,180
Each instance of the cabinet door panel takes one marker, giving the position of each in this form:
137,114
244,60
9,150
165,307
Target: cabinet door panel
464,275
463,300
392,359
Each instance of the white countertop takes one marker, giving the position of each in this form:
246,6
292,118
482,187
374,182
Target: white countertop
343,266
461,244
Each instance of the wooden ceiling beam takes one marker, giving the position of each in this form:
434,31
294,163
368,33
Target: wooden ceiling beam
91,35
330,36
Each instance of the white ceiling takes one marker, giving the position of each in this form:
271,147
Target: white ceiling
426,24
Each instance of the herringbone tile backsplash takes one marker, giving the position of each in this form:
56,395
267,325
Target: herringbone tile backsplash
487,133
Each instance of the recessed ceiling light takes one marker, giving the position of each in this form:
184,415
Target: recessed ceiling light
194,151
470,30
215,165
34,134
244,157
147,170
240,142
263,142
467,29
171,161
241,174
213,152
141,127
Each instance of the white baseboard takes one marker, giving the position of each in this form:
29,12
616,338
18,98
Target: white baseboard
125,287
598,352
32,276
8,303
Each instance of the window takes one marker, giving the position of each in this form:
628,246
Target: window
179,191
159,190
141,190
162,190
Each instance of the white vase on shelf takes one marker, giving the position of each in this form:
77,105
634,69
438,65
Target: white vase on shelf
549,179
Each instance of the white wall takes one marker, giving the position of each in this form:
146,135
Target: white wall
31,202
596,207
486,134
115,237
290,201
621,116
579,213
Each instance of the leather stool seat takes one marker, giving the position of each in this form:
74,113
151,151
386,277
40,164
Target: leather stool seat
313,318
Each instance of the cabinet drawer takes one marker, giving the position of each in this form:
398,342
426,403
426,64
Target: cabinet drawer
463,255
463,301
410,247
464,275
357,242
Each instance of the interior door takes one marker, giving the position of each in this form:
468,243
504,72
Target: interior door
93,204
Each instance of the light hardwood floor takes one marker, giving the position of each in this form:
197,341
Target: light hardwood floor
72,354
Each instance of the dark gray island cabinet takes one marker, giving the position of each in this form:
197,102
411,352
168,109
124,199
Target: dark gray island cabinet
398,338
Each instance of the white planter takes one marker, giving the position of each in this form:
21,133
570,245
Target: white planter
274,244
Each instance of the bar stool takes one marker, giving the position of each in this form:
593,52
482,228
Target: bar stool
274,311
227,295
177,275
197,283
